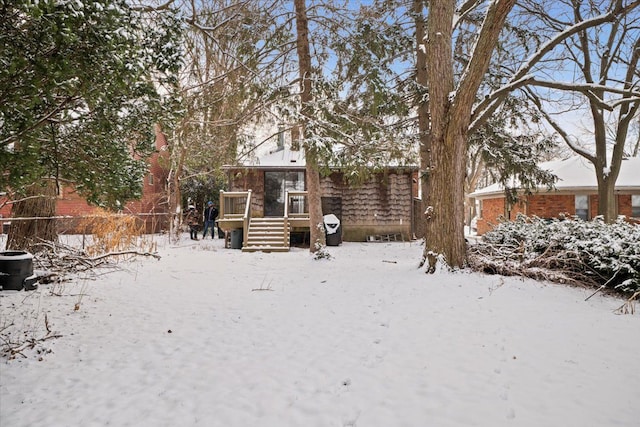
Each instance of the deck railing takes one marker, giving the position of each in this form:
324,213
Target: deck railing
297,204
236,205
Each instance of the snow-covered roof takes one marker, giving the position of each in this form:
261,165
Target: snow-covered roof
285,158
576,174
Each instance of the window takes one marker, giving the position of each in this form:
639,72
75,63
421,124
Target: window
275,186
582,207
150,179
635,205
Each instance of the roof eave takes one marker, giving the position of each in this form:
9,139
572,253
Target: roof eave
558,191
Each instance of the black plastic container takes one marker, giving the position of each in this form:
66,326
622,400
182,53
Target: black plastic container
16,271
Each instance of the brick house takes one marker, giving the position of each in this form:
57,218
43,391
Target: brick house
575,193
382,205
151,208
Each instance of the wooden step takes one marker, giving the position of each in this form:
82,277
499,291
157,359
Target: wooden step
267,235
265,248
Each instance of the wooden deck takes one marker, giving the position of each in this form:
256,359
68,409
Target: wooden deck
267,234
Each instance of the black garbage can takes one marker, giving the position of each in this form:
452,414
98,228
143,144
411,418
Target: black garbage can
236,238
16,271
333,230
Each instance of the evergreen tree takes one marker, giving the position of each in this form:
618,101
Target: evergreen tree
81,85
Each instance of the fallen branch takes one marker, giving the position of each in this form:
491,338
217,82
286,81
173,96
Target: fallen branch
492,260
58,260
113,254
629,307
603,286
29,344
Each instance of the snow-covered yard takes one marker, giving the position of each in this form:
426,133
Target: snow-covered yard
209,336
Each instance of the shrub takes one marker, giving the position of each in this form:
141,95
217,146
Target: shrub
589,252
115,232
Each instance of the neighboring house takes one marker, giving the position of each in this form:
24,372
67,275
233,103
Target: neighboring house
575,193
71,208
381,206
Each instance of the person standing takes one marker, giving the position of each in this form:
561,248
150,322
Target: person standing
193,221
210,215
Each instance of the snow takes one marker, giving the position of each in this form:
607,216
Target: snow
578,174
285,158
289,159
208,336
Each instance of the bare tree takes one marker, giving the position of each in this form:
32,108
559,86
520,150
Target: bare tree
604,64
459,104
227,82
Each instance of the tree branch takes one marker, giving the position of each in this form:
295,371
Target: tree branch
149,8
556,126
492,101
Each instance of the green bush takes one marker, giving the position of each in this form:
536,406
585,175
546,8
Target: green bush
605,254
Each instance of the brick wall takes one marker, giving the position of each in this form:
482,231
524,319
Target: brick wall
551,205
249,179
491,211
624,205
151,208
544,206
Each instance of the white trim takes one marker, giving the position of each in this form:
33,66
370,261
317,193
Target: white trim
575,175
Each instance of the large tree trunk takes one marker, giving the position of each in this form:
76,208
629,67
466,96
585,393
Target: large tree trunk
444,225
317,233
607,206
450,113
607,203
38,202
175,208
441,179
607,171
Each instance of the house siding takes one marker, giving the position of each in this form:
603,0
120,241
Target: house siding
249,179
379,206
544,206
550,206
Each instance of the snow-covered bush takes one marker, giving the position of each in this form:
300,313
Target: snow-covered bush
589,252
321,252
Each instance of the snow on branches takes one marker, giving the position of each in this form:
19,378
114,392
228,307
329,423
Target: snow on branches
572,251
